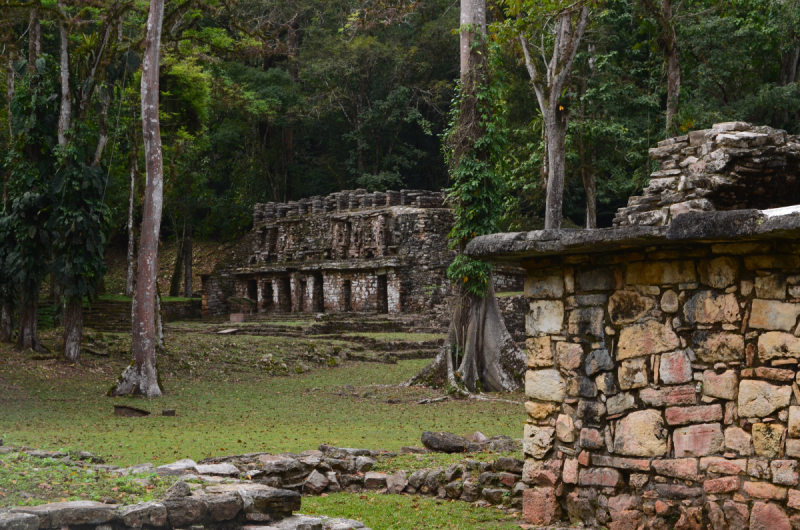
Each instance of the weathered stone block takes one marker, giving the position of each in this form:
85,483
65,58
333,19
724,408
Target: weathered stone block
718,347
598,361
675,368
660,272
545,316
565,428
586,321
772,261
546,284
600,476
794,422
631,464
591,439
540,411
784,472
645,338
541,473
626,307
767,439
721,485
696,414
772,286
591,411
21,521
777,345
793,448
606,383
545,385
682,468
724,385
70,513
669,302
736,515
763,490
698,440
620,403
773,315
596,280
633,374
718,273
539,352
641,433
570,473
537,440
708,307
144,514
760,399
569,356
673,396
540,506
723,466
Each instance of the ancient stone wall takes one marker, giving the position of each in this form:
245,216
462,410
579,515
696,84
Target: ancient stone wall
732,166
662,389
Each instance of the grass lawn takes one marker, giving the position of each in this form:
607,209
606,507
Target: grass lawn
51,405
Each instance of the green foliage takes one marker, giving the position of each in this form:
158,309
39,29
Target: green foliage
471,274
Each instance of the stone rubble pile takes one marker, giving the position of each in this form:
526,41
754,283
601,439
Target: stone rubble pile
732,166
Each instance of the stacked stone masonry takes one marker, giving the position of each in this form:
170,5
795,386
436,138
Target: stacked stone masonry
732,166
351,251
664,360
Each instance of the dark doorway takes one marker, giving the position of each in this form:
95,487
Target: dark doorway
346,293
383,294
302,285
285,295
318,299
252,290
267,297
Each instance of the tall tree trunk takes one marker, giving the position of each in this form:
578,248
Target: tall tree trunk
34,39
10,95
102,129
134,170
589,187
789,65
142,376
668,42
556,134
159,323
65,114
6,322
28,337
73,329
187,262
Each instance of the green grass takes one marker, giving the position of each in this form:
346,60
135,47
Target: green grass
49,405
28,481
407,512
412,337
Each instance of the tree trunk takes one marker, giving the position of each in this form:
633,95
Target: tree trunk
556,134
65,113
102,129
131,236
73,330
6,322
10,95
28,337
159,323
589,187
142,376
187,263
789,64
668,42
34,39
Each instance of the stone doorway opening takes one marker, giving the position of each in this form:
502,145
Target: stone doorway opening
267,297
252,290
285,295
383,294
318,296
302,285
346,296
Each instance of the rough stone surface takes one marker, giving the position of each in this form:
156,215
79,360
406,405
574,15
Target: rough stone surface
784,472
632,374
760,399
640,433
545,385
696,414
540,505
537,440
545,316
675,368
718,347
569,356
444,442
773,315
645,338
718,273
598,361
777,345
767,439
18,521
708,307
626,307
698,440
723,386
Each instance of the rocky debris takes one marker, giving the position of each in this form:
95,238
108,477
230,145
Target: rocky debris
444,442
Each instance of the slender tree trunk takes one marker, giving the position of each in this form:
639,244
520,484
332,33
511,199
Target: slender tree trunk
102,140
34,39
673,81
6,322
142,376
187,263
556,131
28,338
134,170
159,323
589,187
789,65
73,329
10,95
65,114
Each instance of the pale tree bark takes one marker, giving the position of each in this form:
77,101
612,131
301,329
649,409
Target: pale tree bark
549,81
479,354
668,42
102,139
65,113
73,330
789,65
134,169
187,262
142,376
34,39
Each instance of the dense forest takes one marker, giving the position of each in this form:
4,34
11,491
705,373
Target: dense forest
277,100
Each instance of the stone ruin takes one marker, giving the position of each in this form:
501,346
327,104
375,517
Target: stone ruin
352,251
663,354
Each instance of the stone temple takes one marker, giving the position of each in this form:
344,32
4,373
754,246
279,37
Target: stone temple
663,353
352,251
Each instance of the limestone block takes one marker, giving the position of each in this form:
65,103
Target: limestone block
641,433
772,261
736,515
598,361
698,440
660,272
708,307
546,284
625,307
600,476
565,428
545,385
718,273
606,383
539,352
767,439
696,414
633,374
784,472
540,411
776,345
645,338
763,490
675,368
540,506
591,411
769,516
794,422
793,448
537,441
569,355
591,439
718,347
773,315
682,468
596,280
620,403
760,399
586,321
545,316
669,302
724,385
671,396
772,286
723,466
